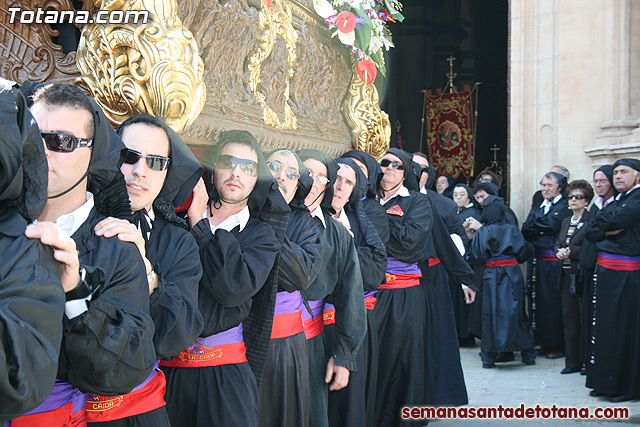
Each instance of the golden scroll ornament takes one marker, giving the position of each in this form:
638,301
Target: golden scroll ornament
151,67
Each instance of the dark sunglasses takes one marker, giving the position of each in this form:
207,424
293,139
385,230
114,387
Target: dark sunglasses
226,161
276,167
64,142
575,196
394,164
154,162
484,179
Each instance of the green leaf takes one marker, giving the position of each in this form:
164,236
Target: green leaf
363,36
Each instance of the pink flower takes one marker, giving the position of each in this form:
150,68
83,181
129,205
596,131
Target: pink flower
346,21
366,70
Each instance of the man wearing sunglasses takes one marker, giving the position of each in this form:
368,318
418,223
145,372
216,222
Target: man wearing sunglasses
340,283
211,382
107,347
156,186
399,316
284,389
541,229
613,369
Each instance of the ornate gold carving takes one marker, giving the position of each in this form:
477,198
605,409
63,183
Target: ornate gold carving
27,51
153,67
370,126
274,21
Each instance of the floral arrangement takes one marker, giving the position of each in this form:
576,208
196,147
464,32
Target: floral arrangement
361,25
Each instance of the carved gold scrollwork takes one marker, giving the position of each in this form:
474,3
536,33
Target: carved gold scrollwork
27,51
274,21
151,67
370,126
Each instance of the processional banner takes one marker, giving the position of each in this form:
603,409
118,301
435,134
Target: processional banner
450,138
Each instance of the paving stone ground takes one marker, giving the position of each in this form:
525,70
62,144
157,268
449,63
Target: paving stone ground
512,384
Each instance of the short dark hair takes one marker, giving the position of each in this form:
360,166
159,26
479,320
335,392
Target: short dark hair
494,177
64,95
145,119
581,184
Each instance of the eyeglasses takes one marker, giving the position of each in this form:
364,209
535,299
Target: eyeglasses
484,179
575,196
64,142
226,161
154,162
384,163
276,167
321,178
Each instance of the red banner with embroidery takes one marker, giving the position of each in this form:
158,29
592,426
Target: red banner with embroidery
450,133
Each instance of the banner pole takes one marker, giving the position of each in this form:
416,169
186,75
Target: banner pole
424,107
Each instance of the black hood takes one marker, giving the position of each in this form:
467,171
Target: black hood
373,167
493,211
23,165
467,189
304,183
182,175
104,179
561,180
607,170
489,187
332,173
361,184
409,172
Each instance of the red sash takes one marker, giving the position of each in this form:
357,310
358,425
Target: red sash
434,261
313,328
199,356
502,262
370,302
329,316
545,254
59,417
401,281
148,398
287,325
618,264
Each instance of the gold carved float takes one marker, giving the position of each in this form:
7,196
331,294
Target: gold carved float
269,67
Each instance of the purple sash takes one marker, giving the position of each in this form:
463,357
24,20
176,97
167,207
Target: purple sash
150,377
229,336
63,393
395,266
288,302
317,307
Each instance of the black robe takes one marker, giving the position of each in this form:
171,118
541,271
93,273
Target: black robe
108,350
339,283
399,317
376,214
505,326
543,276
30,343
347,406
442,355
235,266
174,303
613,367
284,389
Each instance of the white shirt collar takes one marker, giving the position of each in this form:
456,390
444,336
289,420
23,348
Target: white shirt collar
71,222
317,213
402,192
547,204
600,202
343,217
232,221
627,192
423,190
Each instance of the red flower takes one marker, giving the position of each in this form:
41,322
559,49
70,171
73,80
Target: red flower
346,21
385,15
366,70
267,3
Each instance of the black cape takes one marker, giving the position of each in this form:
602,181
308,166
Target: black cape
28,284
